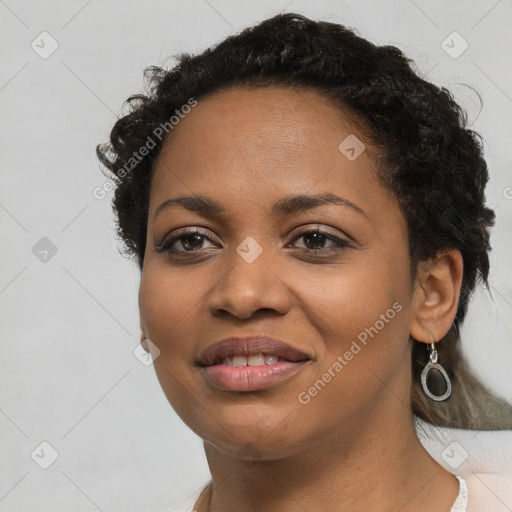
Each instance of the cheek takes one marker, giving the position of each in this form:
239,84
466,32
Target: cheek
166,302
166,305
343,303
361,314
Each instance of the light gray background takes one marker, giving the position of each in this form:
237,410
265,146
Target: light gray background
69,326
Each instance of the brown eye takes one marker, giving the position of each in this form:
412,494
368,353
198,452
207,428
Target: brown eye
315,239
191,242
188,240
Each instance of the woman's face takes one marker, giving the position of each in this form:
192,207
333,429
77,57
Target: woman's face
253,270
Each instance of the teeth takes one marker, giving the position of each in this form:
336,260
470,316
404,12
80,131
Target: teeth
256,360
239,361
270,359
253,360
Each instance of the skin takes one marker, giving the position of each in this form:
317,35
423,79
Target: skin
353,446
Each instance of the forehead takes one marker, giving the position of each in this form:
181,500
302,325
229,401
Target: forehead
265,143
268,128
288,118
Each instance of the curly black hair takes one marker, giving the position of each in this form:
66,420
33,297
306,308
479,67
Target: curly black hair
431,161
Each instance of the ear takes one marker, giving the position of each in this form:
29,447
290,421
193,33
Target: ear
436,295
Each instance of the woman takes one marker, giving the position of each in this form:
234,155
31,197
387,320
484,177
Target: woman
308,217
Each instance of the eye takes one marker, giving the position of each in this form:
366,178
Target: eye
314,240
191,240
185,240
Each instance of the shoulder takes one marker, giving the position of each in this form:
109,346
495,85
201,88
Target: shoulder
483,458
489,491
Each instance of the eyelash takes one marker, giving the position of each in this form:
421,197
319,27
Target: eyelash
166,245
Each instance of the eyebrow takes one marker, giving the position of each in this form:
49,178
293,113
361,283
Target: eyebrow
285,206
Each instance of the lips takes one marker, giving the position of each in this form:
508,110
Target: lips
249,346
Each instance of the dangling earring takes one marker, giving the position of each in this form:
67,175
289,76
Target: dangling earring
429,366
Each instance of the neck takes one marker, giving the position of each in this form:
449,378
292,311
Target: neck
360,466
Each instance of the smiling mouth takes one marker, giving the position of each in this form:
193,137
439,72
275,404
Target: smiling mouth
260,359
251,373
250,363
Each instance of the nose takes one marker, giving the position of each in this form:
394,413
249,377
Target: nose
249,287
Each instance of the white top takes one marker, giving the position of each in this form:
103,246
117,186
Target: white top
480,460
461,502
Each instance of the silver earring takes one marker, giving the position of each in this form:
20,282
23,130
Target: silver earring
429,366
